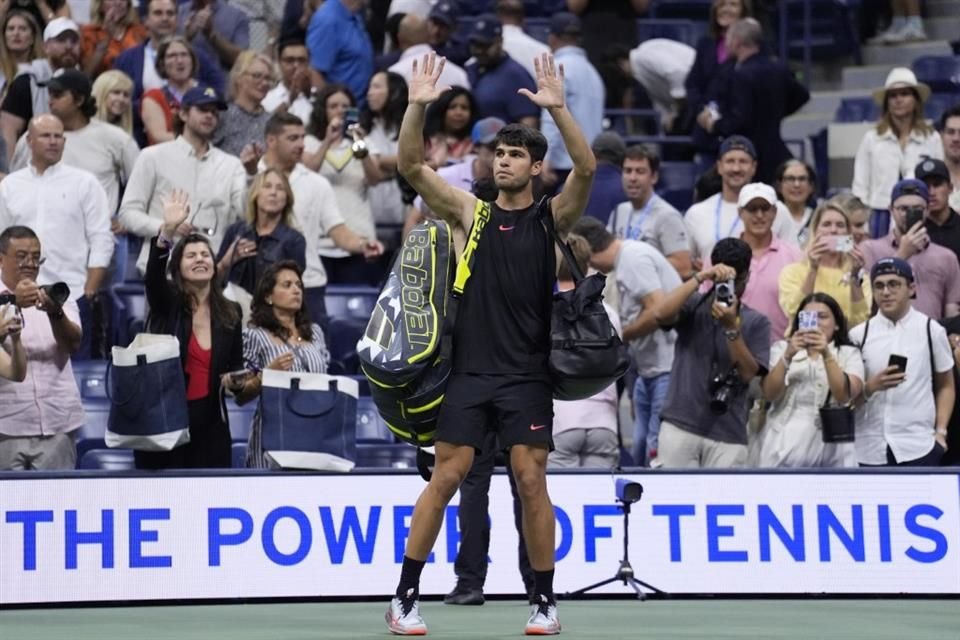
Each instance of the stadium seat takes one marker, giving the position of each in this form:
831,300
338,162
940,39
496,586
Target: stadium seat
934,107
941,73
108,460
238,455
240,418
629,122
91,378
92,432
397,456
342,336
676,183
345,301
370,425
129,312
688,9
686,31
832,31
857,110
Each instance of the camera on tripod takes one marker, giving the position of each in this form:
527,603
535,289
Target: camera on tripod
722,386
628,491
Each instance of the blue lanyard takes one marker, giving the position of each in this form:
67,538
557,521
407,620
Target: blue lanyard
716,222
636,220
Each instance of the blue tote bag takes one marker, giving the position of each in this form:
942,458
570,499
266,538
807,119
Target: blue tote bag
309,420
148,395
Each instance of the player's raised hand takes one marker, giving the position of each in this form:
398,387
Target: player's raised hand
549,83
423,87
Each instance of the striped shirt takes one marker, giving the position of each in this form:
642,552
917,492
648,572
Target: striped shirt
259,350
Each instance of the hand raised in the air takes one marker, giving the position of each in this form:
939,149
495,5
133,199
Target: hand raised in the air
423,87
549,83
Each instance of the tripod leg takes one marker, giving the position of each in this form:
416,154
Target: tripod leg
640,594
647,585
580,592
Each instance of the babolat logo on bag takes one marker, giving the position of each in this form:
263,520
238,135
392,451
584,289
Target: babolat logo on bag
406,350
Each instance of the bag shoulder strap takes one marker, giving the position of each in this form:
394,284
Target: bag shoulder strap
866,330
481,216
933,368
546,219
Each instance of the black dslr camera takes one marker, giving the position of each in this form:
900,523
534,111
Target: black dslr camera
722,386
59,292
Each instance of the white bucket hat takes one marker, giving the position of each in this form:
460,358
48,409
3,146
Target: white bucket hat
901,78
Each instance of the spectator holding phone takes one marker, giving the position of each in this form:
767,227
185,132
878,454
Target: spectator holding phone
815,362
833,265
908,392
281,336
935,267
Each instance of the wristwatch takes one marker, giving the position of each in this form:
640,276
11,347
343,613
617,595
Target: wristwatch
731,334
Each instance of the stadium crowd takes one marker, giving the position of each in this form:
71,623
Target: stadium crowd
244,170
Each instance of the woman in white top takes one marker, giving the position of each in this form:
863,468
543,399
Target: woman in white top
386,103
796,185
804,369
890,151
328,150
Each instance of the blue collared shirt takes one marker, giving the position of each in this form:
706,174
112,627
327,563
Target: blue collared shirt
229,23
585,97
495,89
340,48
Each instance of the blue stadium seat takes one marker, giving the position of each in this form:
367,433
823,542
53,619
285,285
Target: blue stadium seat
240,417
91,378
397,456
371,427
686,31
941,73
108,460
833,30
628,122
676,183
129,312
238,455
92,432
342,336
938,103
857,110
345,301
688,9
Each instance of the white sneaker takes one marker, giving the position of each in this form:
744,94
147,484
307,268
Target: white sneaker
913,33
403,616
881,38
543,619
892,36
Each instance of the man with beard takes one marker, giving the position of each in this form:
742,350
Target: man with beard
28,96
718,216
499,380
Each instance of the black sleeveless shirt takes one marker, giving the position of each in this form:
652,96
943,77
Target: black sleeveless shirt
503,321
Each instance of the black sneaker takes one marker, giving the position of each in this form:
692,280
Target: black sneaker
464,596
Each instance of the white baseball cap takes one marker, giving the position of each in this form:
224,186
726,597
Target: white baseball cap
59,25
754,191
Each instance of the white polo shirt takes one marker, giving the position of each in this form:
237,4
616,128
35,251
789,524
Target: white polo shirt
902,417
714,219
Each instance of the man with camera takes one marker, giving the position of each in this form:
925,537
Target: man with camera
935,268
722,344
39,414
908,393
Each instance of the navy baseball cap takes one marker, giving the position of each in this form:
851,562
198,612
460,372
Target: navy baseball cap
910,187
444,13
565,24
737,143
932,168
894,266
486,129
72,80
486,30
201,95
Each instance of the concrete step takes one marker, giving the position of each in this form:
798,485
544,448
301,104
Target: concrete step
801,126
865,78
942,8
944,28
904,54
829,101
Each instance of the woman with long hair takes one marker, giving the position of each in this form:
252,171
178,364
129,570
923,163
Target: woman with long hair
113,91
796,186
892,149
386,103
804,369
705,77
114,27
20,45
267,236
251,78
858,214
329,150
177,65
447,126
833,265
280,336
191,306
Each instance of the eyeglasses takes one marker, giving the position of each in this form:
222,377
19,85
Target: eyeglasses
260,77
23,259
795,179
892,285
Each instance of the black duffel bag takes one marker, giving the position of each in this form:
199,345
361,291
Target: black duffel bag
586,354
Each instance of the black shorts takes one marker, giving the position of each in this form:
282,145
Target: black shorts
518,408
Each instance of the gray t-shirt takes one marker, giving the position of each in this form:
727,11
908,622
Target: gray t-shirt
641,270
657,224
238,128
701,354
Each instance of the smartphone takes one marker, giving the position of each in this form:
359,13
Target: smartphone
350,117
843,244
237,378
900,362
912,217
808,321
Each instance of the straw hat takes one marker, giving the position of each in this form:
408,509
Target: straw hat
901,78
